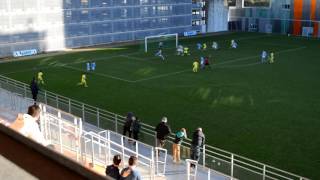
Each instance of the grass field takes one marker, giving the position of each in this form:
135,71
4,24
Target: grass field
267,112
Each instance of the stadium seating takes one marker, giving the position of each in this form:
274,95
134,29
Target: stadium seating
94,147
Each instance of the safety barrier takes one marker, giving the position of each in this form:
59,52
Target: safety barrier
213,158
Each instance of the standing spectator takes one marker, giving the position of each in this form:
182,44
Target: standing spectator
34,89
198,139
127,124
113,170
130,173
135,128
180,135
163,130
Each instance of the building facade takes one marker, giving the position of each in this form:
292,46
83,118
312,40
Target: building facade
51,25
298,17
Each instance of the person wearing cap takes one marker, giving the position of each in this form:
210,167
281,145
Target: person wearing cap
113,170
198,139
179,136
162,130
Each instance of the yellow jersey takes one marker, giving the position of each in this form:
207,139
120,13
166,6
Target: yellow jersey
40,74
196,64
83,77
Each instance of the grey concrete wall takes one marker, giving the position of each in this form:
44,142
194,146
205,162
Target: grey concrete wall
217,16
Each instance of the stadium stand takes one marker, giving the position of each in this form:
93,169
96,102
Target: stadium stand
93,147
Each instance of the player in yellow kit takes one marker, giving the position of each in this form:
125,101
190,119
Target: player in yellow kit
83,81
271,58
204,46
186,51
195,66
40,77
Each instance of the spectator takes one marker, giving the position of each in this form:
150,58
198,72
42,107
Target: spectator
113,170
34,89
179,136
198,139
163,130
135,128
127,125
27,125
130,173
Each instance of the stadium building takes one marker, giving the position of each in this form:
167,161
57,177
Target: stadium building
229,86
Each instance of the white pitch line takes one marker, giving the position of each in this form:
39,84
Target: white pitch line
227,62
140,59
240,65
65,64
251,57
99,74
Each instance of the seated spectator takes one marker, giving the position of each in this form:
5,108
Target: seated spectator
113,170
27,125
130,173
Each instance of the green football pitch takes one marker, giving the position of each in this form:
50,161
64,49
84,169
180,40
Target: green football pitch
267,112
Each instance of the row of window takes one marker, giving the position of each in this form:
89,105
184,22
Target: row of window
7,48
99,28
67,4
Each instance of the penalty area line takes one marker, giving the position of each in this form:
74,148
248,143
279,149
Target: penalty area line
99,74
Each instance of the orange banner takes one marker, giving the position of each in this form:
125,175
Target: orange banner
297,15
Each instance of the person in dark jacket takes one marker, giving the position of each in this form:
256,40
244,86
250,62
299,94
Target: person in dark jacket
135,127
163,130
113,170
198,140
34,89
127,124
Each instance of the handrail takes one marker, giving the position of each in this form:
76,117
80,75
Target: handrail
210,151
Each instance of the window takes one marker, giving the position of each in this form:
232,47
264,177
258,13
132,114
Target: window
286,6
256,3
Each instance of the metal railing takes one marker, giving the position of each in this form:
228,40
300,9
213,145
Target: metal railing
67,133
214,158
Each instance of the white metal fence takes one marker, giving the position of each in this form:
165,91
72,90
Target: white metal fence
213,158
69,135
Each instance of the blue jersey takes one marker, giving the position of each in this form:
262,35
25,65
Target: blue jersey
264,54
93,66
202,60
199,46
88,66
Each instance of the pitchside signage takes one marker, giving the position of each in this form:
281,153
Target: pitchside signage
29,52
190,33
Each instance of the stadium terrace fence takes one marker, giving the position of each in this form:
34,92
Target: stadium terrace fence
219,160
91,145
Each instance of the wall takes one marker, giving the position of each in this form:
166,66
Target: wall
64,24
217,16
280,18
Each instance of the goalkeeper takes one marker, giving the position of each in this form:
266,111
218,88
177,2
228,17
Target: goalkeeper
159,54
40,78
83,81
